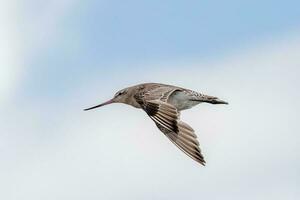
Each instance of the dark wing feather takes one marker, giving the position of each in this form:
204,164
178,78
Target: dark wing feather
167,120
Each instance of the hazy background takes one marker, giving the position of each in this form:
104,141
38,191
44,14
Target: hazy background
60,56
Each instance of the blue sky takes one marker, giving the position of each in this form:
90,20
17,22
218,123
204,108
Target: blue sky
60,56
121,36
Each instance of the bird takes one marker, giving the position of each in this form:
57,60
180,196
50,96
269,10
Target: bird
163,104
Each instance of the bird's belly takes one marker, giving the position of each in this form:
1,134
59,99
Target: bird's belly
181,101
183,105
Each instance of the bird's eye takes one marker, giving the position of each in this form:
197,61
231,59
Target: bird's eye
119,93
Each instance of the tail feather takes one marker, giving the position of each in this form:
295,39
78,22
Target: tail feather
217,101
212,100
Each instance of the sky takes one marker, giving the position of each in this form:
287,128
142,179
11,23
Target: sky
59,57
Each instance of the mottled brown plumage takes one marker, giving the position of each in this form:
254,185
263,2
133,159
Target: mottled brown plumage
163,104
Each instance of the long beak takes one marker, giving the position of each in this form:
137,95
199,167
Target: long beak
102,104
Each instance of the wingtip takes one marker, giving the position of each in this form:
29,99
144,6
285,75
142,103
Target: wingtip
202,162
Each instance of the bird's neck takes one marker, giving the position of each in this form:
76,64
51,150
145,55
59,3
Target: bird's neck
130,100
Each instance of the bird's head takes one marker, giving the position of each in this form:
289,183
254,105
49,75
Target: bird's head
119,97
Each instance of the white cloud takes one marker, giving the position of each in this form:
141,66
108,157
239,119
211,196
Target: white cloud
22,35
44,22
10,49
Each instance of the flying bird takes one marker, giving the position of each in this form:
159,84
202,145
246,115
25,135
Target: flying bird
163,104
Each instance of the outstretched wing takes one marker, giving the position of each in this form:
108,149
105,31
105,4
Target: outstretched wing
167,120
